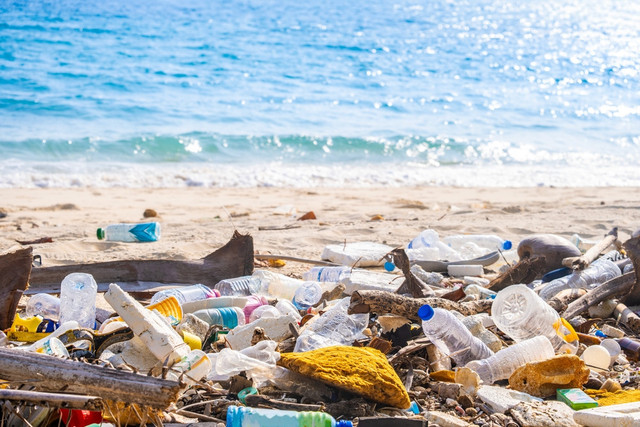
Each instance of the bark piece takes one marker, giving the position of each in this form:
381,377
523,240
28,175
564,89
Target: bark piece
382,302
232,260
582,262
525,271
15,268
52,374
56,400
632,247
624,315
412,284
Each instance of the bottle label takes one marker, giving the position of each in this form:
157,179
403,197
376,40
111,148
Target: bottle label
144,232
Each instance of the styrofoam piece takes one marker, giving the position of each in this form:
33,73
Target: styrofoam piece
622,415
149,325
501,400
276,328
458,270
192,307
358,254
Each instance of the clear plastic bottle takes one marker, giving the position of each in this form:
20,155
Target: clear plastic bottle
501,365
308,294
264,311
597,273
78,299
229,317
521,314
253,303
143,232
278,285
45,305
451,336
489,241
430,239
186,294
258,417
327,274
240,286
334,327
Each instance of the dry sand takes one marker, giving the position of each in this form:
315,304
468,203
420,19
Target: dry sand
196,221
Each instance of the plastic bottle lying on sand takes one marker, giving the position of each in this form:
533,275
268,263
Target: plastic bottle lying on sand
252,417
278,285
430,239
229,317
144,232
451,336
520,313
240,286
326,274
501,365
489,241
45,305
598,272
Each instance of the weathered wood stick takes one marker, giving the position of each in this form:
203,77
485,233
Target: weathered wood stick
232,260
618,286
382,302
562,299
255,400
56,400
582,262
525,271
624,315
412,284
52,374
15,268
632,247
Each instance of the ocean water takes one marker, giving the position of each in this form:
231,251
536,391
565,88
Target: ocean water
320,93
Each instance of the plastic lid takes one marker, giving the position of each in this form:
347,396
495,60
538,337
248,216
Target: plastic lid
100,233
426,312
344,423
389,266
506,245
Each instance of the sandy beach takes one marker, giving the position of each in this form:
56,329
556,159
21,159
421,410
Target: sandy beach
196,221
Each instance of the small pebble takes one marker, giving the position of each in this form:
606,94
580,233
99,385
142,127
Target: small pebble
150,213
471,412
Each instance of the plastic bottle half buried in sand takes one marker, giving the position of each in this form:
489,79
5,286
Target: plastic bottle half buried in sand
144,232
451,336
250,417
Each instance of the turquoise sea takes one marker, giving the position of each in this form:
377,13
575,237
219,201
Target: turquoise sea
319,93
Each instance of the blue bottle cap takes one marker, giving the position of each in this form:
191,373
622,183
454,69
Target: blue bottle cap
600,334
426,312
414,408
506,245
389,266
344,423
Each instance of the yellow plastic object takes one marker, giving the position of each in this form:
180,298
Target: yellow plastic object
25,330
169,307
193,341
566,332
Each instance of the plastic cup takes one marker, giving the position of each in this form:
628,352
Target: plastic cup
613,348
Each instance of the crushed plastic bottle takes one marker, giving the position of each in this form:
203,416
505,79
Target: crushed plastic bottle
597,273
240,286
186,294
258,417
78,299
502,364
451,336
326,274
430,239
144,232
230,317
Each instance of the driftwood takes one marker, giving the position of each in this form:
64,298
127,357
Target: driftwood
582,262
525,271
632,246
51,374
617,286
232,260
56,400
382,302
257,401
624,315
15,268
562,299
412,285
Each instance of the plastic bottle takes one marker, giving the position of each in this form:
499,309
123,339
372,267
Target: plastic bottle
287,307
326,274
451,336
253,303
186,294
598,272
489,241
430,239
258,417
521,314
240,286
190,307
229,317
334,327
264,311
501,365
45,305
308,294
278,285
143,232
78,299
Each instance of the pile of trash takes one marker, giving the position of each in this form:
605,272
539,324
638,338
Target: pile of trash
463,330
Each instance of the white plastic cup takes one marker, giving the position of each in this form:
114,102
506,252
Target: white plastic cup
613,348
597,358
